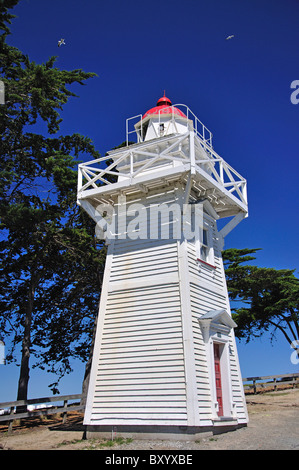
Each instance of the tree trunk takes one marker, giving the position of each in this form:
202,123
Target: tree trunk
26,343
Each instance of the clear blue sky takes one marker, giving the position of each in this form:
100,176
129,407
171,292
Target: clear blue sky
239,88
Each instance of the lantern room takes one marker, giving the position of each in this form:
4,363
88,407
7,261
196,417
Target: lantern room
163,119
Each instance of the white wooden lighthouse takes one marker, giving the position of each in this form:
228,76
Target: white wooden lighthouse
165,359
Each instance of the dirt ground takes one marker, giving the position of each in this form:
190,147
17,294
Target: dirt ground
273,425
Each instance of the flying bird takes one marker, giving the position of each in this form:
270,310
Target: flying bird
230,37
61,42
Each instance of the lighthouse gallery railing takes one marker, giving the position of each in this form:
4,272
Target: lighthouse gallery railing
132,161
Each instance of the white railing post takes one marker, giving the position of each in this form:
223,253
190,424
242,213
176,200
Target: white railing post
192,153
221,171
79,185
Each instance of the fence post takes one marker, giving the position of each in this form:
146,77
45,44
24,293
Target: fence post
65,412
12,409
254,386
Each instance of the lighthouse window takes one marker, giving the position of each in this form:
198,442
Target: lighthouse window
143,130
204,245
161,129
205,237
204,249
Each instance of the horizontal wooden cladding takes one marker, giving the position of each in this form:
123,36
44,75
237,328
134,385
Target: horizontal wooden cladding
151,380
151,264
149,362
138,346
144,312
147,318
145,255
148,367
130,273
141,370
140,413
141,356
139,409
131,394
126,248
158,327
157,281
143,258
144,294
146,338
143,305
162,419
151,326
203,300
141,375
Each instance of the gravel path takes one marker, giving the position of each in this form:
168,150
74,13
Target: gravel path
274,425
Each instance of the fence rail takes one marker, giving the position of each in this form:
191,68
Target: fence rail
270,382
11,408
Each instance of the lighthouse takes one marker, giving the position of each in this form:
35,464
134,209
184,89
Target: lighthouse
165,361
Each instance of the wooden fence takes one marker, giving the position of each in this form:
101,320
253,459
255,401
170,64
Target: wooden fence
12,407
270,382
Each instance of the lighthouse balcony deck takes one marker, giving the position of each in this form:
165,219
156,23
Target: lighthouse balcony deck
176,157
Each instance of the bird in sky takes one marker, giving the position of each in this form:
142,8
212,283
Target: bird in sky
230,37
61,42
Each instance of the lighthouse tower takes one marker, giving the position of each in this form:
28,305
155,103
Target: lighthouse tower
165,360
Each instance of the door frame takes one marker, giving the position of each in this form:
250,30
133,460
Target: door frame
225,372
217,351
216,326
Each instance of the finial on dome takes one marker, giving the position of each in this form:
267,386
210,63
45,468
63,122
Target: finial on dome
164,101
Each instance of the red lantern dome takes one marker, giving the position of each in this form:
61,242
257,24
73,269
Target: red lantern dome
164,106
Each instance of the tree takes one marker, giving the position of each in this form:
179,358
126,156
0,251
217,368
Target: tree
269,298
6,16
51,267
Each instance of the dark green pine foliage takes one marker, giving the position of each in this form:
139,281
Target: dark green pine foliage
51,266
267,298
5,14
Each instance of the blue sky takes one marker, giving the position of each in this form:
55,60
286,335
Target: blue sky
239,88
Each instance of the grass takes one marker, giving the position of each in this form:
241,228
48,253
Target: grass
66,443
95,444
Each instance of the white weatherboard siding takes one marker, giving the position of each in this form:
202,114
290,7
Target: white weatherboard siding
209,292
151,365
139,361
141,350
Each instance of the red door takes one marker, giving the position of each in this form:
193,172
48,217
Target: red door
218,379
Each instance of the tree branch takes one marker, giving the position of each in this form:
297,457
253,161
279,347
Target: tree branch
282,330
